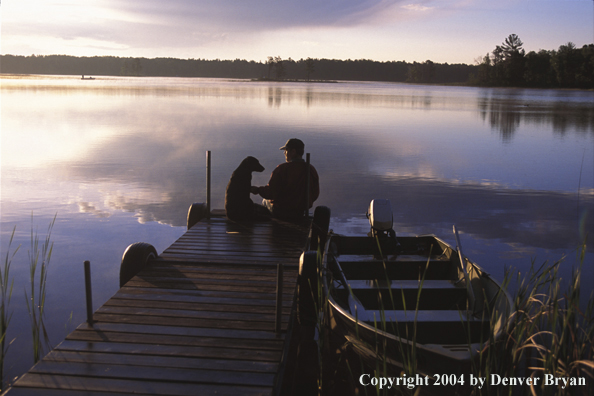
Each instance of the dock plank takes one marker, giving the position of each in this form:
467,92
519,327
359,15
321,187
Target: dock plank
200,293
169,350
236,299
161,361
188,284
109,385
245,260
94,336
189,322
172,330
220,305
99,370
179,313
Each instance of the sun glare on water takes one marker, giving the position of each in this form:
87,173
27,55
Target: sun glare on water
33,132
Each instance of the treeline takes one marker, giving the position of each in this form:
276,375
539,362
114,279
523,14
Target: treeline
274,68
509,65
506,65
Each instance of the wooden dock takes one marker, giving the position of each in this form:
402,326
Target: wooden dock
198,320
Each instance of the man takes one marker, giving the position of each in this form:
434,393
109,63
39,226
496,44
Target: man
284,195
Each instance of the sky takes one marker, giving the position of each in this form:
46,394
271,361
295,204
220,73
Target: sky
452,31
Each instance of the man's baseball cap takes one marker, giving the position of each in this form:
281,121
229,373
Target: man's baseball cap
293,144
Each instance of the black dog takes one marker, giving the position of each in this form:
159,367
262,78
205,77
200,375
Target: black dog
238,204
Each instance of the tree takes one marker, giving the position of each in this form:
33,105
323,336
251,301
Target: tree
512,46
512,55
539,71
131,67
505,65
270,63
421,72
497,58
280,67
566,62
484,71
309,67
585,76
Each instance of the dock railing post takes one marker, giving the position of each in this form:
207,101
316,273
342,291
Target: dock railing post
89,292
279,298
307,160
208,184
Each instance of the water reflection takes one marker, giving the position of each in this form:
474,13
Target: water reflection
501,116
506,109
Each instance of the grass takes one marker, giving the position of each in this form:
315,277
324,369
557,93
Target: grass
550,335
39,258
6,286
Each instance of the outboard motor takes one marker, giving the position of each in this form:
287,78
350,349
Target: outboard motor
381,218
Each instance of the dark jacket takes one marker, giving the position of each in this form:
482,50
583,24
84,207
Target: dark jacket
287,185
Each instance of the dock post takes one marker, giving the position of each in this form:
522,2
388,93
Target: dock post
89,292
307,188
279,298
208,184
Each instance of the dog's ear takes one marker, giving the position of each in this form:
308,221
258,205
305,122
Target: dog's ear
246,162
254,164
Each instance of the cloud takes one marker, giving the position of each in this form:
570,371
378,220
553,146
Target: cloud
87,207
416,7
151,24
193,24
257,14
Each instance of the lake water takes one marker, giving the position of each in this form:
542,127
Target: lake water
120,160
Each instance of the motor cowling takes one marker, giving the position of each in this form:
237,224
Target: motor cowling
380,215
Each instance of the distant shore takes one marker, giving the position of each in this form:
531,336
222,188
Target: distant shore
4,75
295,80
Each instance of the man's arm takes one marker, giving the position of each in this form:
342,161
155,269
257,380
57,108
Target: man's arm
270,190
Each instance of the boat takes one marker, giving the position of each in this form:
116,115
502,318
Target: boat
398,301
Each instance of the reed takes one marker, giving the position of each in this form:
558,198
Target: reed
39,258
548,335
321,304
6,286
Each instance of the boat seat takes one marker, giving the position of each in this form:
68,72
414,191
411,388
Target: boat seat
401,269
404,294
431,327
432,316
402,284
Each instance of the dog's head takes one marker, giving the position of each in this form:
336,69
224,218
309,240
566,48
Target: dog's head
252,164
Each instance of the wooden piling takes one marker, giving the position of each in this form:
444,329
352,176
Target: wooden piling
88,292
208,173
279,298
